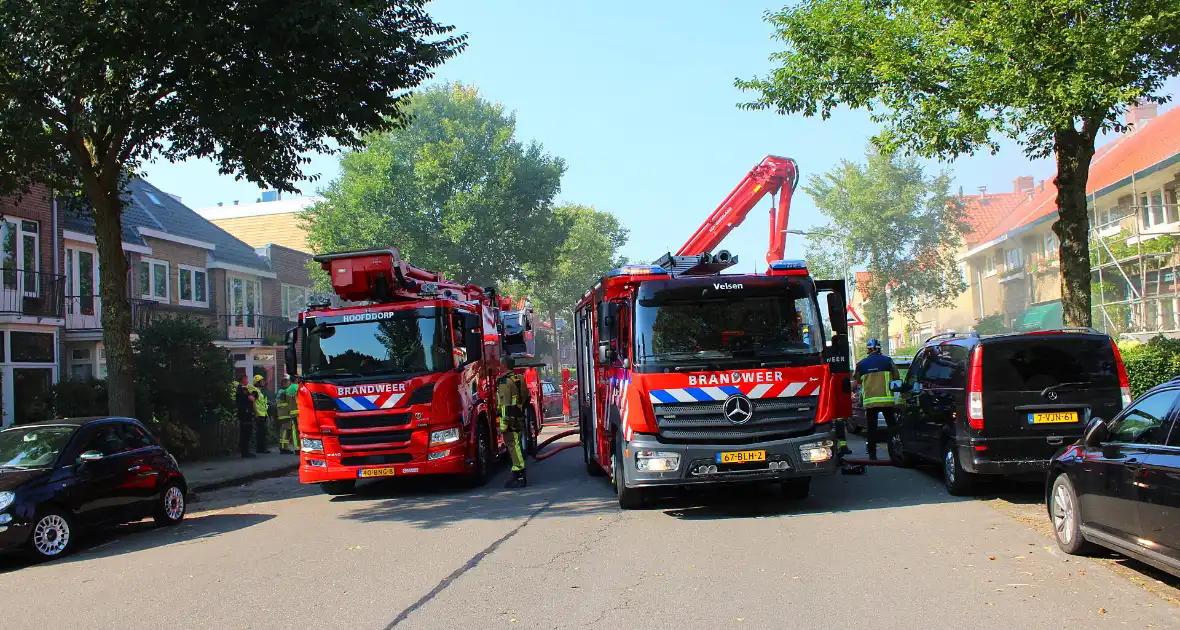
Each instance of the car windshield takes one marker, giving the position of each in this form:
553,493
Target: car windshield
400,343
763,321
33,447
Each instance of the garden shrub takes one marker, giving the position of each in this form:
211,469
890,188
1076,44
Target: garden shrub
1149,364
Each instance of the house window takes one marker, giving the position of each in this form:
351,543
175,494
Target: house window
1014,259
1051,246
21,252
153,279
81,364
245,301
294,300
989,265
194,286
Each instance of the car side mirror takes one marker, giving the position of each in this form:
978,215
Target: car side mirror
1097,432
90,456
897,386
914,388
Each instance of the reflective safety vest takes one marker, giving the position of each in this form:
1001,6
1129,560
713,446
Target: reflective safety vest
510,390
285,402
261,404
874,373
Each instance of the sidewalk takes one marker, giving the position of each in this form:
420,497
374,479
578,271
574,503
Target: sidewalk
219,473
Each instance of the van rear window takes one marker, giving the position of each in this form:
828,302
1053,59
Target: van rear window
1035,362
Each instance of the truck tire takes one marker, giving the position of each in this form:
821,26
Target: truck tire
337,488
796,488
481,469
629,498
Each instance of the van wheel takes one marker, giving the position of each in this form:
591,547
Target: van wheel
1067,517
629,498
897,455
958,481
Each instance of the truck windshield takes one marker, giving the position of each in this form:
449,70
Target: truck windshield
756,320
401,342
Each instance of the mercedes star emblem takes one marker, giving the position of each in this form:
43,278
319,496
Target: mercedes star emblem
1052,395
738,409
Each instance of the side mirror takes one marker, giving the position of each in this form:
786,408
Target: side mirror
1097,432
606,354
90,456
897,386
290,360
607,318
837,314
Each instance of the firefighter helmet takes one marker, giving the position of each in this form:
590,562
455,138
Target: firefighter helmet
873,344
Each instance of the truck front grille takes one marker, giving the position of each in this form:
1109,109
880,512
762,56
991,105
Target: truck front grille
348,422
705,421
355,440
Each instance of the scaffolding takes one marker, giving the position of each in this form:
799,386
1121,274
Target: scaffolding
1134,264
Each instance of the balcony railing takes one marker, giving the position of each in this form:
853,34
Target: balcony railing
266,329
84,312
31,293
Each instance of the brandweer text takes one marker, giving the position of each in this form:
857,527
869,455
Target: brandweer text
735,378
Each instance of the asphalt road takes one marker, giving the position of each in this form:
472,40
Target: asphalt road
889,549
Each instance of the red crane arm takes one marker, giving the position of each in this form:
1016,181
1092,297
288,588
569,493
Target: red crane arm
772,175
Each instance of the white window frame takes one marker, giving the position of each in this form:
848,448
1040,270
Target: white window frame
193,271
1052,247
285,297
22,281
989,265
231,313
151,294
1016,253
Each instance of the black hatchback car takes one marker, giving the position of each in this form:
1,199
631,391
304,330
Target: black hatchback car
1119,487
61,476
1004,404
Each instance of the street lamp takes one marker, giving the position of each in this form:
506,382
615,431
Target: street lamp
848,280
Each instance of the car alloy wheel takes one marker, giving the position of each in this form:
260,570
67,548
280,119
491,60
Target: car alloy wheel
1064,514
174,503
51,535
948,466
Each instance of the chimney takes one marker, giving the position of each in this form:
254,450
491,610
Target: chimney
235,202
982,193
1022,184
1138,115
219,204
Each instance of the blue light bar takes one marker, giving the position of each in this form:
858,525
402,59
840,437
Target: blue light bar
788,264
637,270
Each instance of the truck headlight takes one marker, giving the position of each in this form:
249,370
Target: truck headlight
309,445
6,499
816,452
446,436
656,461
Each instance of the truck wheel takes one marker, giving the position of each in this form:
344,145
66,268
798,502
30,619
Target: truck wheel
629,498
797,488
481,469
337,488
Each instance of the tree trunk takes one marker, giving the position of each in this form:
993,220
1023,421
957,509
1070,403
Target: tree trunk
1074,152
116,309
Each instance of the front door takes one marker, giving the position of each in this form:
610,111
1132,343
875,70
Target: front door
82,303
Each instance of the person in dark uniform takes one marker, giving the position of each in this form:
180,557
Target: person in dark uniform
245,403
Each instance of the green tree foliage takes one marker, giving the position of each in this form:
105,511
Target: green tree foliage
898,224
188,378
947,77
93,90
1149,364
991,325
455,191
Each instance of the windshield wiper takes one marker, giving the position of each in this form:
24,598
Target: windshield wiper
1070,385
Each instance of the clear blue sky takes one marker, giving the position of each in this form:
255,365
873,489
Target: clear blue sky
638,98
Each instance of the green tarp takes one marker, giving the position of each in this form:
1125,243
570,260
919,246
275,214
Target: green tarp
1040,317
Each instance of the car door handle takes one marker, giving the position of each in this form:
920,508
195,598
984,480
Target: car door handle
143,471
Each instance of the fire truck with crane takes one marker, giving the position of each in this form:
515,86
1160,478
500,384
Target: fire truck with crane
400,380
689,376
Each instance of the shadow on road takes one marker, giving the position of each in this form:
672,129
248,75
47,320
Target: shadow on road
144,535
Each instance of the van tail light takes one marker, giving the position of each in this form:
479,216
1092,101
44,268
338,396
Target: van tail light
975,390
1124,382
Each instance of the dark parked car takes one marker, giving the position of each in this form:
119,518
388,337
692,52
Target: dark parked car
1119,487
1004,404
856,424
550,399
62,476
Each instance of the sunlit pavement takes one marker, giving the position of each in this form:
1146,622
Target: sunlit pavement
887,549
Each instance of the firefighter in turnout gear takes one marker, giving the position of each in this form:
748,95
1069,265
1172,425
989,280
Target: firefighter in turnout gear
873,375
511,397
286,411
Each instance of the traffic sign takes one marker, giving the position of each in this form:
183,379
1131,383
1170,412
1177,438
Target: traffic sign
854,318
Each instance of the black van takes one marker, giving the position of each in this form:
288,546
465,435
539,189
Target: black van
1004,404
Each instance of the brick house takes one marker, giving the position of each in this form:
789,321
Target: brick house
31,300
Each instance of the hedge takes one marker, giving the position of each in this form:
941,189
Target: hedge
1149,364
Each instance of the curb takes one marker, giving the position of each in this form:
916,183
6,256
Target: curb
241,479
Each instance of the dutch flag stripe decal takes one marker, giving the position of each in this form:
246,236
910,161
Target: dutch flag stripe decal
710,394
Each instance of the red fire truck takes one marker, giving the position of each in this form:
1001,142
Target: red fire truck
402,383
690,376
